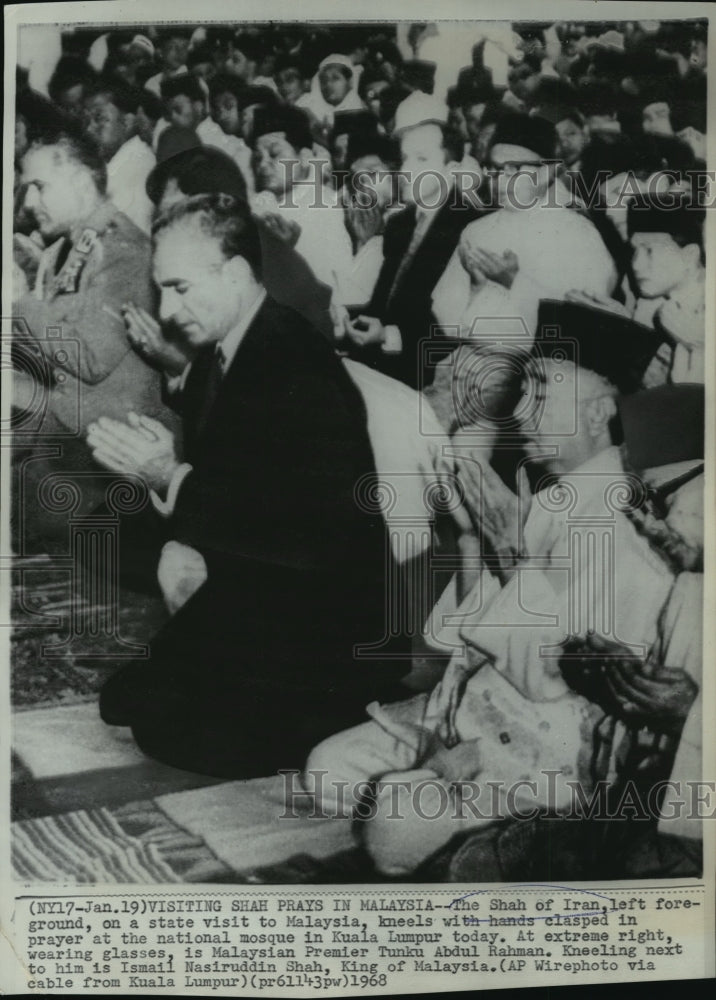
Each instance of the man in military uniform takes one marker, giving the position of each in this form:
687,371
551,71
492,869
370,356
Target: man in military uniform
76,345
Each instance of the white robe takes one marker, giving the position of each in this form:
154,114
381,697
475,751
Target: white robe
558,250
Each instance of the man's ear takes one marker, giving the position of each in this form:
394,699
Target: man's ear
237,269
692,254
129,120
598,412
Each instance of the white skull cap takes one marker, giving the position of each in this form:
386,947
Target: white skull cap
420,109
336,60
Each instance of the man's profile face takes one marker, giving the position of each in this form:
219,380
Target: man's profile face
556,429
237,63
290,84
424,159
53,194
199,295
174,52
181,110
270,172
226,113
106,124
658,263
572,141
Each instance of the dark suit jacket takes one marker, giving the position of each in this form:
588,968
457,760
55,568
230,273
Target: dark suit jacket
296,567
258,666
411,306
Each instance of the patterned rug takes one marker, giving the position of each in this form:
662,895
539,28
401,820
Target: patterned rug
139,844
88,808
64,643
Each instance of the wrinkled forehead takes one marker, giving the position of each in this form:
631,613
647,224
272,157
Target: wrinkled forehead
184,250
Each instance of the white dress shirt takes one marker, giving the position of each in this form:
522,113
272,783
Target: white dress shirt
127,174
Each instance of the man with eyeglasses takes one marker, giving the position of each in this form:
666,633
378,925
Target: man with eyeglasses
532,247
561,563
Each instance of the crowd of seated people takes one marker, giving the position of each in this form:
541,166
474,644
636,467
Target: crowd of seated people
360,306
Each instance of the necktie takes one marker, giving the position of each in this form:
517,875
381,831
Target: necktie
422,221
212,383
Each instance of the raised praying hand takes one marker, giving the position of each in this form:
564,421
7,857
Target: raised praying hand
483,265
146,337
142,447
496,513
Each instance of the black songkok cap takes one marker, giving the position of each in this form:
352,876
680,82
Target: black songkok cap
613,346
198,170
529,131
420,74
674,214
663,426
185,84
293,122
362,144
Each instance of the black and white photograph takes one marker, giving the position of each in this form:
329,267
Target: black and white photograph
355,447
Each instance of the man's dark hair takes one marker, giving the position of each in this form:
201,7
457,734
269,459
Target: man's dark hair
79,148
123,95
150,104
453,144
253,47
221,217
199,54
70,71
227,83
185,85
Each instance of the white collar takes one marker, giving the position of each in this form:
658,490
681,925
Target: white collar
228,347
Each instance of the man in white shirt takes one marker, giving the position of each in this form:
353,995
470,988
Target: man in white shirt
533,247
173,50
289,183
112,123
186,105
333,89
570,561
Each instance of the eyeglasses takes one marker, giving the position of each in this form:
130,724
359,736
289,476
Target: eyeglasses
655,502
529,167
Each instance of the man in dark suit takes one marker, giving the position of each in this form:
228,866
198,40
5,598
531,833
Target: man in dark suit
417,246
261,659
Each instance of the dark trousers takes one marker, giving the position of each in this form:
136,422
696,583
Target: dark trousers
231,692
